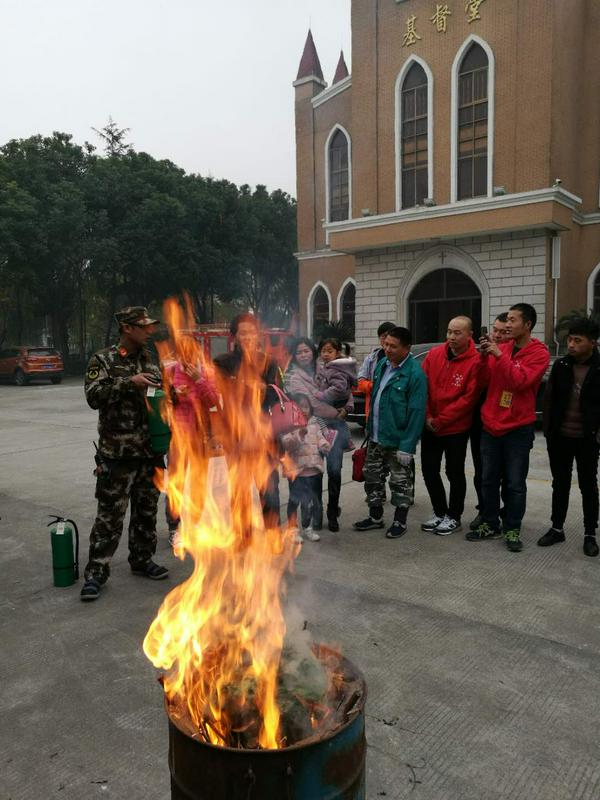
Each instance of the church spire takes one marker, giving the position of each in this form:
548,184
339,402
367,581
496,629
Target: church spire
309,63
341,71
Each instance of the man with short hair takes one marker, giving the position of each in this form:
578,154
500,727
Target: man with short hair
499,336
367,371
452,371
399,399
116,382
513,373
571,425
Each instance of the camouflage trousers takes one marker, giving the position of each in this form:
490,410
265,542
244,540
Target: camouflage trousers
380,462
124,483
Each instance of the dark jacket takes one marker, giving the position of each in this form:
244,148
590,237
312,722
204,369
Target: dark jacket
558,393
229,364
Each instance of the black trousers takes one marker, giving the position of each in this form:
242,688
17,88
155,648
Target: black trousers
562,451
454,448
306,491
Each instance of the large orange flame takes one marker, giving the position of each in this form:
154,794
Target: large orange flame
218,636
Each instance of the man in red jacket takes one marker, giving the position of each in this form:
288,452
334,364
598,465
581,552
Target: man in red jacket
513,373
452,371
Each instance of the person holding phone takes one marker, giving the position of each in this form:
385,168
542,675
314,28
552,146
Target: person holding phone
512,372
498,335
116,382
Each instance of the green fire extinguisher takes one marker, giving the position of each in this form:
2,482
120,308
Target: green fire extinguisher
65,557
160,433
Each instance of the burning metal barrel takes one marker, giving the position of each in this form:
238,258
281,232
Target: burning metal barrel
327,766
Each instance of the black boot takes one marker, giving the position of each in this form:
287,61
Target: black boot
590,545
334,488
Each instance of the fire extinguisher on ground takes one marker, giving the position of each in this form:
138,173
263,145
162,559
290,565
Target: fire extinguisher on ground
65,557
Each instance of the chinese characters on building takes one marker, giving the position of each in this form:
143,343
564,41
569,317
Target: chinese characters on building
440,20
472,10
411,36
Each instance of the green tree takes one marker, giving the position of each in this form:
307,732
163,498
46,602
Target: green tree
48,171
113,139
268,262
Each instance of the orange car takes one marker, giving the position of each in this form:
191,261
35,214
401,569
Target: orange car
23,364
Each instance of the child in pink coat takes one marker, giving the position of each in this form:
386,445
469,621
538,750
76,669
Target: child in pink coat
306,448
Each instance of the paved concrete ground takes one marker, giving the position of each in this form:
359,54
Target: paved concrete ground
483,666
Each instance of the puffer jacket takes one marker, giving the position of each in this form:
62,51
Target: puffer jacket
335,381
307,451
301,381
190,396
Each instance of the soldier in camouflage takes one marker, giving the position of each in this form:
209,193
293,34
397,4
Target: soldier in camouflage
116,382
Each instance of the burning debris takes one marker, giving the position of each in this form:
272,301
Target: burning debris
230,676
316,696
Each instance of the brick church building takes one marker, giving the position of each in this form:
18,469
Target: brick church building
456,169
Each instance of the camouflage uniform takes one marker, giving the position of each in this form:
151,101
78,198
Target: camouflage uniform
379,462
126,463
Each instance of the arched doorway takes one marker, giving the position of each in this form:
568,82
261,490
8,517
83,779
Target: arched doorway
439,296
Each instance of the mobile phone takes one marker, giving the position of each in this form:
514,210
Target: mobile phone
484,331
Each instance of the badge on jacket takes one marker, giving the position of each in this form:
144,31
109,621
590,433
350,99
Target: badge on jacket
506,399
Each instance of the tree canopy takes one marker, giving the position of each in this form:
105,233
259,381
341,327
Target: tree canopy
82,234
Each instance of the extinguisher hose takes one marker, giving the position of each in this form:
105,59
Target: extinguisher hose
76,565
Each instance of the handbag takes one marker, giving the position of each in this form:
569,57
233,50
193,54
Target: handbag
359,457
285,414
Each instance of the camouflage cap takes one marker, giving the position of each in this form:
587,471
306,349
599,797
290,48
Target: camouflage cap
135,315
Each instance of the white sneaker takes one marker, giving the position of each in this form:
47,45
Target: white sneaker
311,535
448,526
431,525
297,537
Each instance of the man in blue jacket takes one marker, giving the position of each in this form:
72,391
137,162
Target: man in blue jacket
398,405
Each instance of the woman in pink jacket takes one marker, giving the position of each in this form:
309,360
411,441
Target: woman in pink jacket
193,394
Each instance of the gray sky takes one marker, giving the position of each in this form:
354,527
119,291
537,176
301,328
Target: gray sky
205,84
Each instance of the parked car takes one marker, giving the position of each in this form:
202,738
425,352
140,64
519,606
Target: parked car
419,351
23,364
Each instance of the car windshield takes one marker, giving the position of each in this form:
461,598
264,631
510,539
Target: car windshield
41,351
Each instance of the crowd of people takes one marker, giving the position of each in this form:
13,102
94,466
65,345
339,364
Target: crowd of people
464,393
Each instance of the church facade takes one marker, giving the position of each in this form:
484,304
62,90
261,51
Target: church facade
455,170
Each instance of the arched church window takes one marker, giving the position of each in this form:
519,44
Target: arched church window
321,311
414,141
347,309
473,115
339,178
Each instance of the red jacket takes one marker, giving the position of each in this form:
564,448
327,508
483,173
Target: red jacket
513,383
453,388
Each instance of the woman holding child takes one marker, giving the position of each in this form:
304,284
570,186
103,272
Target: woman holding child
326,378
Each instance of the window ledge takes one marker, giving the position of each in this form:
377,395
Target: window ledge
491,214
